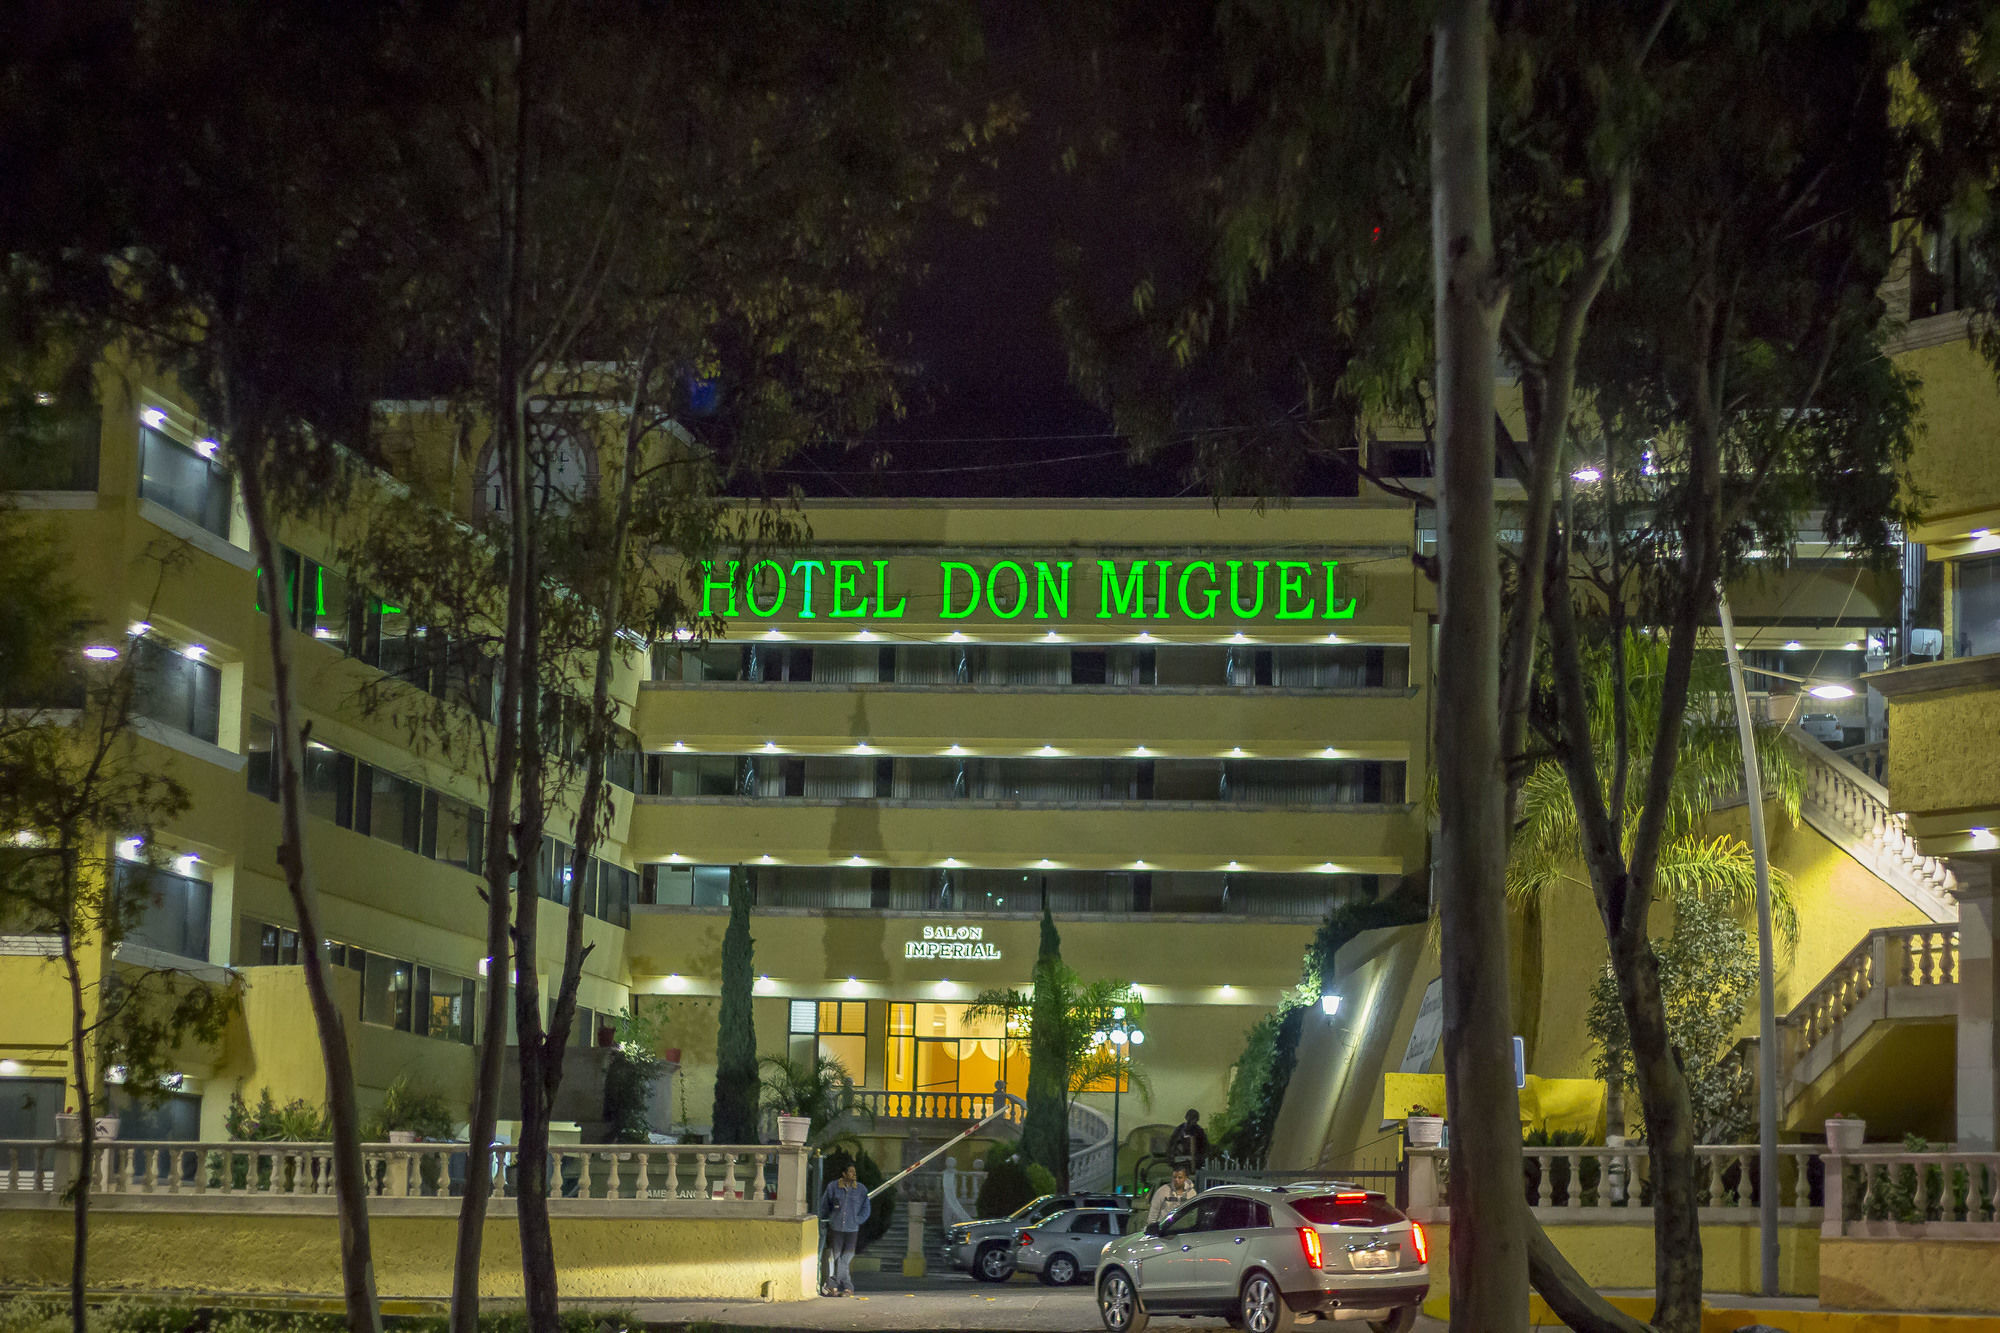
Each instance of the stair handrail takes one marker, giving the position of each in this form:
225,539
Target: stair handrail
1863,819
1920,955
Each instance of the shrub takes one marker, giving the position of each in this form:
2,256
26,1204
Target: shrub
1040,1180
1005,1188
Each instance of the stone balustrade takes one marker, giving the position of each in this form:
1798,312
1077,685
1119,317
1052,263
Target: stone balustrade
660,1179
1894,1193
1609,1182
1894,956
1857,806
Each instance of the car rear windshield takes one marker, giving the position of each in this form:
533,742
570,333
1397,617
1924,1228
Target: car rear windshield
1333,1210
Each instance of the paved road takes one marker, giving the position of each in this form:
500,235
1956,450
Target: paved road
890,1301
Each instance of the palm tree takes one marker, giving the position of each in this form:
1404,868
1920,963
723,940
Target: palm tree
1696,867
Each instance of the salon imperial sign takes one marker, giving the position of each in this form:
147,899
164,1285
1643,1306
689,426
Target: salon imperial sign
1188,590
953,942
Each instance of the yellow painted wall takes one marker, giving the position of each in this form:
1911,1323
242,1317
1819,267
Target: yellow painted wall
1620,1255
289,1254
1952,471
1894,1274
1941,753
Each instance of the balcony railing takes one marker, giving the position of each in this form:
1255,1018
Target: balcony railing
1895,956
1891,1193
1851,808
646,1179
1610,1183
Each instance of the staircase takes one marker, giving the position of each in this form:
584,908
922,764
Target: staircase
1850,809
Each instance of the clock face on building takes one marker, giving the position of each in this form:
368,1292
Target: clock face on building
563,474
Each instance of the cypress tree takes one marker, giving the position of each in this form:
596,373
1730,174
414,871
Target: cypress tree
1045,1128
735,1116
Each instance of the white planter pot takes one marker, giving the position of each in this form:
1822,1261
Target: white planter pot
69,1128
402,1136
792,1129
1845,1136
1425,1131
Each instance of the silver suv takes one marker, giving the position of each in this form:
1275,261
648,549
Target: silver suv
1066,1247
1262,1256
985,1248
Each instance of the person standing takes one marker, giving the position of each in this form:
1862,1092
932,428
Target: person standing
1189,1145
1168,1198
843,1206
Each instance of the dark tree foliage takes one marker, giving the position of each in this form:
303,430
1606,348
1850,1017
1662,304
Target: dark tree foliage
1045,1128
736,1085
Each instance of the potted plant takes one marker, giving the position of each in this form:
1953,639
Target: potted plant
1423,1129
806,1096
1845,1132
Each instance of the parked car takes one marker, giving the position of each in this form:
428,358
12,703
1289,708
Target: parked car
985,1248
1065,1248
1823,727
1261,1256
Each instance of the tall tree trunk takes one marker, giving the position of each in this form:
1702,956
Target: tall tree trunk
1663,1094
1489,1261
535,1051
357,1262
86,1109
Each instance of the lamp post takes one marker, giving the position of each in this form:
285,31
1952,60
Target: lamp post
1122,1036
1767,1014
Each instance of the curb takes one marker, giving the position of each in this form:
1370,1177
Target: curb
1722,1318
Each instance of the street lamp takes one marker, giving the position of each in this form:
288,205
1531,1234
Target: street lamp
1122,1036
1767,1013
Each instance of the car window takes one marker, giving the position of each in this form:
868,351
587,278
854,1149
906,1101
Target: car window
1089,1224
1346,1210
1234,1214
1031,1209
1197,1216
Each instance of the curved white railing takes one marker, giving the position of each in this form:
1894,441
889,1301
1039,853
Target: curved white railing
1852,809
1092,1159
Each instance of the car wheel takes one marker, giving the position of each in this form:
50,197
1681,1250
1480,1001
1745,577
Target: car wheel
1060,1270
1261,1306
1402,1320
993,1264
1118,1304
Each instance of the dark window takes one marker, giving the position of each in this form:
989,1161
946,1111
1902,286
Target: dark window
1976,606
1196,1216
176,690
176,1118
277,946
48,442
1090,1224
1236,1214
1330,1210
327,610
391,808
259,743
1087,666
29,1106
329,784
456,832
621,765
168,912
386,992
178,478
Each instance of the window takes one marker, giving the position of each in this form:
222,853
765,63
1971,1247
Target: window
445,1005
48,442
391,808
177,478
261,772
622,765
169,911
28,1107
386,992
687,886
938,1048
455,833
176,690
329,784
610,891
347,956
1234,1214
839,1029
1090,1224
1196,1216
277,946
327,609
1975,606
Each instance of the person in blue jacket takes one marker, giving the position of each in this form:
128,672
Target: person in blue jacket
843,1207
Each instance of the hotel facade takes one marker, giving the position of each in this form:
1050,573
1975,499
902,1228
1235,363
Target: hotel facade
1187,730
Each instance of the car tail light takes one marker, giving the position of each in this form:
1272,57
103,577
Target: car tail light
1359,1196
1027,1238
1309,1242
1419,1244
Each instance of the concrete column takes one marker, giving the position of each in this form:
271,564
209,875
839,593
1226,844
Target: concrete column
1978,1005
913,1253
792,1183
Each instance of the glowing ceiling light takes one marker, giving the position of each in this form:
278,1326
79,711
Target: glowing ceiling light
1239,637
1045,862
1586,475
1793,645
206,448
1831,692
1234,865
951,860
1333,638
1851,645
1145,636
853,986
771,746
863,747
194,652
98,652
1980,534
1140,749
139,627
153,417
1048,749
764,984
765,858
774,634
129,848
680,745
957,636
184,864
857,861
673,856
866,634
1236,749
1138,865
1053,637
1326,867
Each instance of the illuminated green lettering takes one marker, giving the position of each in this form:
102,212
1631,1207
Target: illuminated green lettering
1336,609
1160,603
750,590
1020,588
1125,599
806,611
947,568
882,610
846,582
1212,593
1236,591
1292,583
1050,589
710,585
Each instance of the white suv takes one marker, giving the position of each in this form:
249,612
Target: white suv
1262,1255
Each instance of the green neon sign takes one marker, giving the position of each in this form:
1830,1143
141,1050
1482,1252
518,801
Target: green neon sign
1012,588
